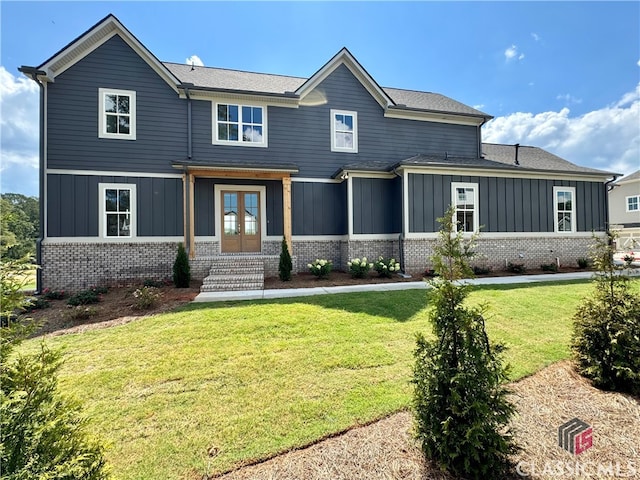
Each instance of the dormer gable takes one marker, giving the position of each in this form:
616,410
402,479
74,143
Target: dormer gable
344,57
93,38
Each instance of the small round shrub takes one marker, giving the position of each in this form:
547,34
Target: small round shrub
359,268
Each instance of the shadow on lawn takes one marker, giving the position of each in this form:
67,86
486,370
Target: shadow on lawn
401,305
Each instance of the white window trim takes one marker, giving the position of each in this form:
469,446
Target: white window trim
103,214
626,203
102,124
335,148
239,142
476,208
556,190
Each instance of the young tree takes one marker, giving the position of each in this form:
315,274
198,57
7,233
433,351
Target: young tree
181,269
285,266
42,433
606,338
460,401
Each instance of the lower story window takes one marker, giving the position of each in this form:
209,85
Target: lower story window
117,210
465,199
564,209
633,203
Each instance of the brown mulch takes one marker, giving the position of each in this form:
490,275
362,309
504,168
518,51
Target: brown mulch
115,308
556,394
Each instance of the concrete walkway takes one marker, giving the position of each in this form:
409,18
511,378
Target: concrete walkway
383,287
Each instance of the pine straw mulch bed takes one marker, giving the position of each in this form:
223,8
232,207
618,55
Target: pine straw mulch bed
545,400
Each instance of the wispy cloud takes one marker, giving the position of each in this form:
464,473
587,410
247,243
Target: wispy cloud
512,53
568,98
638,63
478,107
607,138
535,36
20,133
194,60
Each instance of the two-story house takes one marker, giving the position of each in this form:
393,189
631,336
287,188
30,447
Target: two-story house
138,155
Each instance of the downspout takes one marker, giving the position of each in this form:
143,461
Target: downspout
187,183
479,127
402,228
608,187
33,73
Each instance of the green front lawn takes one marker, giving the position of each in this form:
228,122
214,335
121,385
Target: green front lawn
261,377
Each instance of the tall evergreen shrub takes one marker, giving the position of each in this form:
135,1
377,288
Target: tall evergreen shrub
606,328
181,269
286,265
460,401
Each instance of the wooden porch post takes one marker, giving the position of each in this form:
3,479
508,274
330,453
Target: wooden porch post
286,211
192,229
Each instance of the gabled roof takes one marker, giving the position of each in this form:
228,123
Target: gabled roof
632,177
344,57
97,35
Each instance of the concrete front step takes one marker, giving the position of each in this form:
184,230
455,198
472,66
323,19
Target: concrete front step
234,273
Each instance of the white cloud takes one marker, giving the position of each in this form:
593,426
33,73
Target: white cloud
19,133
512,53
478,107
607,138
568,98
535,36
194,60
638,63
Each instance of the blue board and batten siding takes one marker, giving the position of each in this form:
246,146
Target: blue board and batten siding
318,208
505,204
377,205
73,205
302,136
72,115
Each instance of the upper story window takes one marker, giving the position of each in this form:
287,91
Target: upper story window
465,199
117,210
344,131
117,114
633,203
240,125
564,209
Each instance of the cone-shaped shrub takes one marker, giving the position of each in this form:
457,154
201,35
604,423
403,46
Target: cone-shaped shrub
181,269
286,265
460,401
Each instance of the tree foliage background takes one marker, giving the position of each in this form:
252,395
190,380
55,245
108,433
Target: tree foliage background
19,225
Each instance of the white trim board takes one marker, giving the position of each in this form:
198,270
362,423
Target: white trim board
479,172
107,173
81,240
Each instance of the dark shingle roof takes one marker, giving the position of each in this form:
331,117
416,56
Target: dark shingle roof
224,79
631,177
533,158
430,101
495,157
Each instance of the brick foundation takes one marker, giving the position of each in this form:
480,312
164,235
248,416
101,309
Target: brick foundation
77,266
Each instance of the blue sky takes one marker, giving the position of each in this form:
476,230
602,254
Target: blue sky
561,76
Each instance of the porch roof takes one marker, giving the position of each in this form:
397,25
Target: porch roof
235,166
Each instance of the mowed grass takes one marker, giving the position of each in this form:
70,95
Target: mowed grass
258,378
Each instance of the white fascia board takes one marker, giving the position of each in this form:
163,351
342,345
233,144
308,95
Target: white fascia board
316,180
480,172
368,174
81,240
437,117
239,97
106,173
345,58
506,235
96,37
